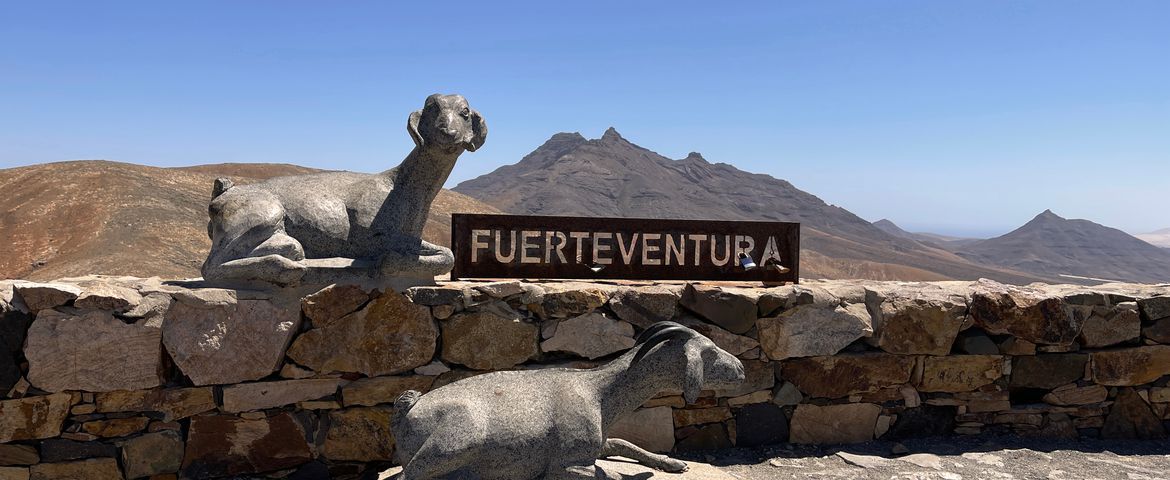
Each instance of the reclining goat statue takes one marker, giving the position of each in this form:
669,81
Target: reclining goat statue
553,423
336,225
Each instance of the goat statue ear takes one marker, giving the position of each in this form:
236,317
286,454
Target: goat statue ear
412,128
693,383
479,131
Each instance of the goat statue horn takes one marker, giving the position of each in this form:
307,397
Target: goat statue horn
653,329
661,336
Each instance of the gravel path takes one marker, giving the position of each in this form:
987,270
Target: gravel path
956,458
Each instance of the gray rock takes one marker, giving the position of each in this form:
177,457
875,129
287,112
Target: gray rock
592,335
153,454
812,331
1155,308
270,232
735,344
732,311
645,306
13,327
39,296
1111,327
94,352
545,421
249,335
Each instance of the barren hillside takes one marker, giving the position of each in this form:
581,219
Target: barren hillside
76,218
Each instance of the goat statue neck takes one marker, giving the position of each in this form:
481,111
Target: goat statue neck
415,182
627,385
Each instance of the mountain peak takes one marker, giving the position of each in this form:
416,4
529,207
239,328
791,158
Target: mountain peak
1048,216
696,157
611,134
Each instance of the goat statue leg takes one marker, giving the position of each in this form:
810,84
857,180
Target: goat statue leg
616,447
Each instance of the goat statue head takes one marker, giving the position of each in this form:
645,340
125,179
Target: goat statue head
707,366
446,122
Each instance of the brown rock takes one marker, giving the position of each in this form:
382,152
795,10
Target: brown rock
41,296
697,416
833,424
33,418
500,290
1027,313
92,469
1131,417
13,473
645,306
208,330
842,375
1131,366
333,302
93,352
1121,325
1047,371
115,427
649,428
1071,394
735,313
359,435
487,341
173,403
153,454
919,322
259,396
1159,331
705,438
592,335
389,336
378,390
813,331
225,445
960,373
1014,346
107,296
563,300
18,455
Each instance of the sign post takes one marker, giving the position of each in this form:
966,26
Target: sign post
523,246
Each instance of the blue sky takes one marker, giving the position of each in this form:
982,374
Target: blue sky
961,117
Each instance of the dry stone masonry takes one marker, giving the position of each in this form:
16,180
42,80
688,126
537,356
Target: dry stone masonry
115,377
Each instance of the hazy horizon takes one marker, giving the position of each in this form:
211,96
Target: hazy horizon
960,118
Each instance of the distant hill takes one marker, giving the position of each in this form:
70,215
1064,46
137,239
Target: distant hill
76,218
1052,246
1160,238
610,176
933,239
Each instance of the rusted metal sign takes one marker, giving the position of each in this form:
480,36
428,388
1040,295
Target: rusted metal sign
516,246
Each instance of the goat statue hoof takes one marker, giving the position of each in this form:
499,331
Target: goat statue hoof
671,465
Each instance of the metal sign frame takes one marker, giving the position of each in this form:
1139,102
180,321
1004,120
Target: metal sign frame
537,246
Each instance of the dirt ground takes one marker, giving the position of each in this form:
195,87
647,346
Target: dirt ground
955,458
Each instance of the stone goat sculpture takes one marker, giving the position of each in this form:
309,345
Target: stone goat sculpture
553,423
271,232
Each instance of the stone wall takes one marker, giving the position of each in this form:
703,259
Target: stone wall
133,378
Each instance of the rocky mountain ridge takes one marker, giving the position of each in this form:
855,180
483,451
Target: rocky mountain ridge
1067,248
611,176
